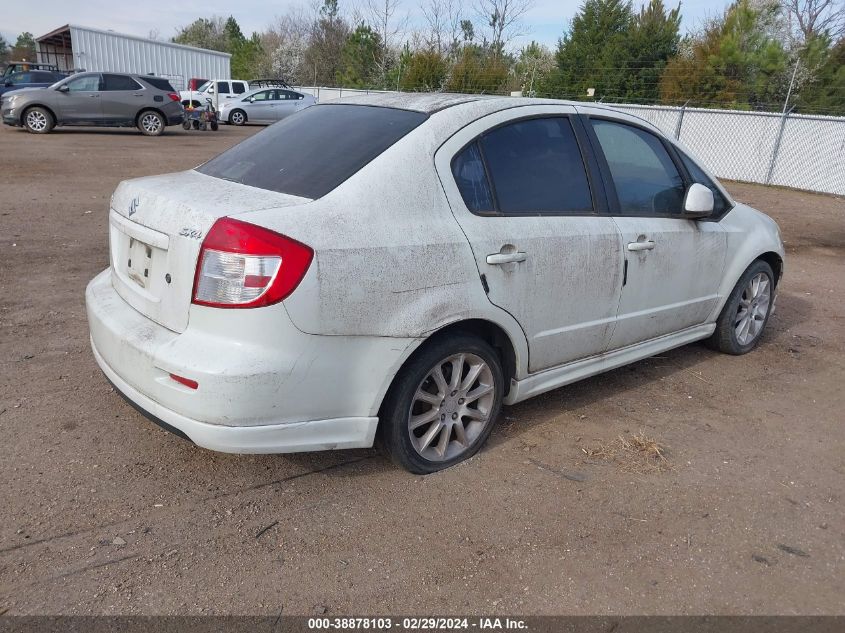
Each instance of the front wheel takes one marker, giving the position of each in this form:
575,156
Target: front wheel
443,405
37,120
151,123
746,313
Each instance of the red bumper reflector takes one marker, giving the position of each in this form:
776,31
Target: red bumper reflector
191,384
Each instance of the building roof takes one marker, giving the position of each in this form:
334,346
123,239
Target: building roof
61,37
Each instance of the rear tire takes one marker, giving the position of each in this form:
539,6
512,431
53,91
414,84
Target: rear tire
746,313
434,418
38,120
237,117
151,123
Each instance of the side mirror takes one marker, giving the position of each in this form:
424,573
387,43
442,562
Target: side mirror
63,88
698,203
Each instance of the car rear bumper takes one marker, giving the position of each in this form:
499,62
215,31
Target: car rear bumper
291,437
262,387
175,119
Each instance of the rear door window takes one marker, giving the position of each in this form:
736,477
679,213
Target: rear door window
313,151
119,82
534,167
646,179
238,88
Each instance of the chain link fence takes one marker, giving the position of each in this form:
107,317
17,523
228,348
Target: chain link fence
792,150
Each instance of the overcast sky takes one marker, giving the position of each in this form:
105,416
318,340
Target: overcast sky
544,23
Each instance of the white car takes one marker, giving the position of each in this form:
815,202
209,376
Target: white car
219,91
264,105
401,265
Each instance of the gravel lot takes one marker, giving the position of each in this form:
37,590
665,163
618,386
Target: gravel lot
104,513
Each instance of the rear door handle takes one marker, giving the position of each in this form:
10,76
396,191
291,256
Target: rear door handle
641,246
506,258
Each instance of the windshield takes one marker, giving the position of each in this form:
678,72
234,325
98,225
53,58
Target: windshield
310,153
204,86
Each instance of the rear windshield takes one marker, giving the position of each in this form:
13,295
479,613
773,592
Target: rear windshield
158,82
310,153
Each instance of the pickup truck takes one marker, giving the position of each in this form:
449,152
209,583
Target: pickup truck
218,90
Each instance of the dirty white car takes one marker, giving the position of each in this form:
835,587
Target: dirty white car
398,267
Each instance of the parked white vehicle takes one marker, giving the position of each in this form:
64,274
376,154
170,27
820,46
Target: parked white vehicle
218,90
403,265
264,105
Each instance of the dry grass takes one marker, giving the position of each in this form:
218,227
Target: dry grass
637,453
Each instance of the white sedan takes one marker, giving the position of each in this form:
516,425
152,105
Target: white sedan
399,267
264,105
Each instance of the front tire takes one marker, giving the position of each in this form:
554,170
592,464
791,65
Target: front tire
443,404
151,123
746,313
38,120
237,117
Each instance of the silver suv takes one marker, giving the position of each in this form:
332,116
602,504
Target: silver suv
102,99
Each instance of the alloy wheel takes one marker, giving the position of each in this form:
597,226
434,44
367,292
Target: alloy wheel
36,120
151,123
451,407
753,309
237,118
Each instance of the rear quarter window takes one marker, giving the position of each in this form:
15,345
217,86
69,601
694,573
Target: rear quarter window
158,82
310,153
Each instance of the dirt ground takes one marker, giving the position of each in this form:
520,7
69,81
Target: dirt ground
105,513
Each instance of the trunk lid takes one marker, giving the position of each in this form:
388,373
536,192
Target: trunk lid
156,228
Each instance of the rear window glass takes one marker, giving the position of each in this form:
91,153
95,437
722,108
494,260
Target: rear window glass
158,82
119,82
310,153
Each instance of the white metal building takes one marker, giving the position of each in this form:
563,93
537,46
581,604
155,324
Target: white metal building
80,47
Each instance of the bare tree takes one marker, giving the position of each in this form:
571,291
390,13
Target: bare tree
443,18
389,26
811,18
504,19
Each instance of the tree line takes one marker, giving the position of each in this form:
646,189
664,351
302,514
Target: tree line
754,55
751,56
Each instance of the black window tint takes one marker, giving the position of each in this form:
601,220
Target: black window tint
468,170
119,82
238,88
41,76
536,167
159,82
720,204
647,181
223,87
310,153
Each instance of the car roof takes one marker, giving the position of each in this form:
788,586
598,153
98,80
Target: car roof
430,103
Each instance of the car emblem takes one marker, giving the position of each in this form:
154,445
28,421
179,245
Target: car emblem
133,206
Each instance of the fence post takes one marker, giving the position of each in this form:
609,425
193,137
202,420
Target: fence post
680,121
776,148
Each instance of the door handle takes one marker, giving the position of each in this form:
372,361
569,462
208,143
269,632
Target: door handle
506,258
641,246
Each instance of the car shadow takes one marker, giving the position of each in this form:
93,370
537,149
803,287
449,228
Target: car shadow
792,309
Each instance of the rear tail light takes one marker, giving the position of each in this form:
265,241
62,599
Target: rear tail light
173,96
242,265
